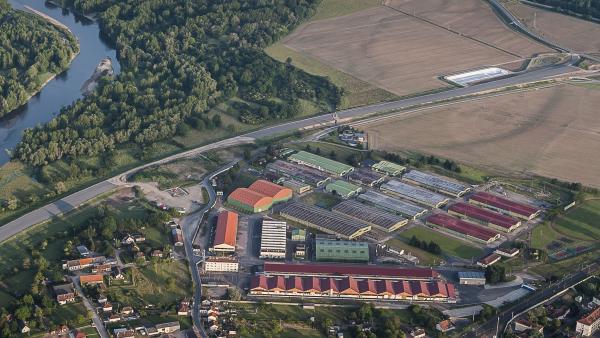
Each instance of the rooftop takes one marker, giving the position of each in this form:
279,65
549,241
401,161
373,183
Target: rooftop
590,318
368,214
484,215
321,163
471,274
436,182
382,201
415,193
226,231
351,270
343,188
270,189
504,204
389,167
249,197
455,224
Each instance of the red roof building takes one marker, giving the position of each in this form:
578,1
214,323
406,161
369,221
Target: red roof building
276,192
226,231
350,287
589,324
484,216
357,270
91,279
489,260
249,201
462,228
504,205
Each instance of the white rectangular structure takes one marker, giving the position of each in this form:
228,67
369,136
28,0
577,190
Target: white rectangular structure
475,76
221,264
273,239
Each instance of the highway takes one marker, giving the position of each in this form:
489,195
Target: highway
76,199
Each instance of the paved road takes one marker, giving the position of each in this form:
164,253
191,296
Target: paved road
88,305
74,200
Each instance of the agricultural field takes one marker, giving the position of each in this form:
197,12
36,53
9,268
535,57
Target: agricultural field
403,54
449,245
569,31
550,131
581,222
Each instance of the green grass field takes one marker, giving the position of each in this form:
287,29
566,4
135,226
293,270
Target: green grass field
583,222
449,245
565,266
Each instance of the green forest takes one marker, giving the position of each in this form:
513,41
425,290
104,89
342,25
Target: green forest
31,50
179,58
586,8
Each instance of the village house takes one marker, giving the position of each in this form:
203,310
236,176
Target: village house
127,310
102,268
60,330
102,299
169,327
445,326
91,279
107,307
64,293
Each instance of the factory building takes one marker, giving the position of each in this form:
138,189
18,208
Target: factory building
388,168
373,216
348,251
275,191
462,228
321,163
298,172
297,186
226,232
505,206
343,189
484,216
356,270
366,177
273,239
471,278
325,220
393,205
415,194
436,183
247,200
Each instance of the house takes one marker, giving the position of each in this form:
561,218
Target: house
83,251
79,334
156,253
588,324
91,279
24,327
102,299
523,324
445,326
107,307
489,260
139,238
128,240
101,268
117,274
417,332
60,330
184,309
113,318
508,252
64,293
127,310
168,327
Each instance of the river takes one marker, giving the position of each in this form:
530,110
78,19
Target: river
65,87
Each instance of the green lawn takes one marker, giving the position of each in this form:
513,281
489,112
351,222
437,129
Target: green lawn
70,314
542,235
425,258
565,266
449,245
583,222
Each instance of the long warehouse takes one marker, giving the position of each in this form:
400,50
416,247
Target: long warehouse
321,163
436,183
325,220
416,194
375,217
484,216
391,204
388,168
504,205
462,228
273,239
356,270
366,177
298,172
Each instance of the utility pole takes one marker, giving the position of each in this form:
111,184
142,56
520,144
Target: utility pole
497,325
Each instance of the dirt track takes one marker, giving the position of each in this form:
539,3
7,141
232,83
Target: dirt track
405,55
552,132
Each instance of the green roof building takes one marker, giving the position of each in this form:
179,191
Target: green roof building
321,163
388,168
346,251
343,188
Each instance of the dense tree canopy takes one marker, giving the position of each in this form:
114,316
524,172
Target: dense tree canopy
587,8
178,59
29,47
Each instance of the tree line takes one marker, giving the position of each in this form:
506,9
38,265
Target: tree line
29,48
587,8
178,59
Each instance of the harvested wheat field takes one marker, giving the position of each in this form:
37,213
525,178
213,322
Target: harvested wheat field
400,53
553,132
577,34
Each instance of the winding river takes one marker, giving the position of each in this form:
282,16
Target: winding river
64,88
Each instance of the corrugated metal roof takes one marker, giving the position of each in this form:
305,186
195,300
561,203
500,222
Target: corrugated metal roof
226,231
471,274
270,189
504,204
348,269
495,218
249,197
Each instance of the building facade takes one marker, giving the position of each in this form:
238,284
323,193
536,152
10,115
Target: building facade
221,264
273,239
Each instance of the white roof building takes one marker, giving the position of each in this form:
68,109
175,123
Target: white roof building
273,239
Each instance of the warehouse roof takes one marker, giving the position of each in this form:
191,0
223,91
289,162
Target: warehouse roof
249,197
270,189
350,269
298,171
417,194
390,168
471,274
325,219
226,231
466,228
91,279
334,243
321,163
366,176
369,214
436,182
505,204
343,188
484,215
389,203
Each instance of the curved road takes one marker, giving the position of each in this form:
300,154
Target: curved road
76,199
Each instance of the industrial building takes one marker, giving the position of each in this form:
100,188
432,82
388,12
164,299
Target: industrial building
356,270
248,200
325,220
373,216
366,177
298,235
415,194
221,264
343,189
388,168
589,324
321,163
484,216
462,228
436,183
505,206
351,288
488,260
349,251
471,278
297,186
298,172
273,239
275,191
391,204
226,232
